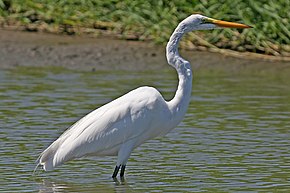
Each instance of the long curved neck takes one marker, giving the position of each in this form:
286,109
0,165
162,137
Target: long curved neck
178,105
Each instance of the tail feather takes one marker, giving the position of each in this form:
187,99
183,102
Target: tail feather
65,147
46,158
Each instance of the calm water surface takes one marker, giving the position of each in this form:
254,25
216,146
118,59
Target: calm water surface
235,136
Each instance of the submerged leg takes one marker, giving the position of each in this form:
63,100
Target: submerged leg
123,167
116,171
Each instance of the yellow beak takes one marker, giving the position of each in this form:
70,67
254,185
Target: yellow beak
227,24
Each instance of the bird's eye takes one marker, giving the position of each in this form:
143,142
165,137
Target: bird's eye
204,21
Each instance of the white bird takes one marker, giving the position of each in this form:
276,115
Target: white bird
142,114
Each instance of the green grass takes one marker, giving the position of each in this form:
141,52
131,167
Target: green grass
156,19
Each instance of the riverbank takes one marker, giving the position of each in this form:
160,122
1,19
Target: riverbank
155,20
18,48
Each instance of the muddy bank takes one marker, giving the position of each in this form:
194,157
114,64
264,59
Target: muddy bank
87,53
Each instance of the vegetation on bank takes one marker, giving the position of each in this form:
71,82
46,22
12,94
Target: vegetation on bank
156,19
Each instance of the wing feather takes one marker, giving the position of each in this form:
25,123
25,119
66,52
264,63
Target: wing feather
102,131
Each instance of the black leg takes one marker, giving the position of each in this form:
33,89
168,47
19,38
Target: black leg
122,170
116,171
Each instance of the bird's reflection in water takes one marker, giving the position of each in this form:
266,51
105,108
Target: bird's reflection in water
121,185
122,181
115,185
50,186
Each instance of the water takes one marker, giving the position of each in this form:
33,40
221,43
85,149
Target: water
234,138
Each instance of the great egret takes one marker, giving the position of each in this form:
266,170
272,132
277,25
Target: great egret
142,114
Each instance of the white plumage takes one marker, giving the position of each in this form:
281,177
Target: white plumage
123,123
142,114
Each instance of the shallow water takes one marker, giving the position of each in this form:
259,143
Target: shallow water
235,136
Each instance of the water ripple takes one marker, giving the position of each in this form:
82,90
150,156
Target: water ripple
233,139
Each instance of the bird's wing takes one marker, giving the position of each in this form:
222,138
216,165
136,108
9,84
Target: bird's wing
105,128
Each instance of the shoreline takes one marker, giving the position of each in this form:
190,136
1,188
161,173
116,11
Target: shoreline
21,48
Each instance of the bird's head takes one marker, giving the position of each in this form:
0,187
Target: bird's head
200,22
